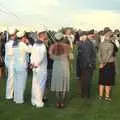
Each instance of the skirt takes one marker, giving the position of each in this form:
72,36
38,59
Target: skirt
107,75
60,76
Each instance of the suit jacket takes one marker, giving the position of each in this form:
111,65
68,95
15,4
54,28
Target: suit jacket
86,58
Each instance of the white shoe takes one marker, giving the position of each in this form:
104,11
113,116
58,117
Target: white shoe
33,104
8,98
40,105
17,102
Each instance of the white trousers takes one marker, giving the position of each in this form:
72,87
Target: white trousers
10,82
19,85
38,87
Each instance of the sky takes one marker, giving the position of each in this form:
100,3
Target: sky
83,14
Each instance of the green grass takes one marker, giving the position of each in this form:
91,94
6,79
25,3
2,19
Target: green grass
76,108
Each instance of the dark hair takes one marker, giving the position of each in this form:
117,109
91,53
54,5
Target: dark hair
91,31
118,35
83,33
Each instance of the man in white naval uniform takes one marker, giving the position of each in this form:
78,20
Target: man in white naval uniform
39,65
9,64
20,51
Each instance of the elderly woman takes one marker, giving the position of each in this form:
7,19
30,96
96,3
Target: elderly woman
107,67
59,52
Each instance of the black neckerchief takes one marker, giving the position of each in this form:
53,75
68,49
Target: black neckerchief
15,43
39,42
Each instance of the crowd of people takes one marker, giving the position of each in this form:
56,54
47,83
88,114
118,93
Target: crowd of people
51,63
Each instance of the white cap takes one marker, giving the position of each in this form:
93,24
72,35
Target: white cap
59,36
12,31
20,34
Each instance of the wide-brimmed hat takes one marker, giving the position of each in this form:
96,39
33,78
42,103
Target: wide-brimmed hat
59,36
20,34
107,30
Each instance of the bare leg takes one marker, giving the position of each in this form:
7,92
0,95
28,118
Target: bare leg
107,91
58,96
101,90
62,94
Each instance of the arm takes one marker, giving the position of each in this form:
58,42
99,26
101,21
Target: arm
42,53
102,64
8,54
93,57
27,48
33,56
117,43
100,54
51,50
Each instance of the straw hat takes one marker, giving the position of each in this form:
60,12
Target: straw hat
59,36
20,34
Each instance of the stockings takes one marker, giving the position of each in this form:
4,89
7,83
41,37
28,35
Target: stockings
60,96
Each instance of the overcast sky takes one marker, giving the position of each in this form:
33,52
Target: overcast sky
84,14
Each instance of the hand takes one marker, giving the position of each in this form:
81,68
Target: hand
27,41
101,66
31,66
35,66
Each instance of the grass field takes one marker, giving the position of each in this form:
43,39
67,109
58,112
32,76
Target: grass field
76,108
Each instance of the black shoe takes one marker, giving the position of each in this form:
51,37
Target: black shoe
45,100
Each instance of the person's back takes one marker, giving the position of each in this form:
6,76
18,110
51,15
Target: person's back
106,52
59,52
39,55
87,55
